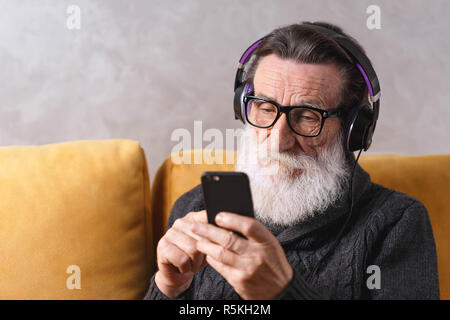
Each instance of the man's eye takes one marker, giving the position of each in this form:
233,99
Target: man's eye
306,118
265,107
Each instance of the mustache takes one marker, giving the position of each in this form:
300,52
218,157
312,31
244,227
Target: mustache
290,160
260,154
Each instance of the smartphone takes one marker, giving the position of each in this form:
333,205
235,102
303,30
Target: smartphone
226,191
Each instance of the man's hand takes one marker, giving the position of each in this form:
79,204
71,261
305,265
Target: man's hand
255,267
177,255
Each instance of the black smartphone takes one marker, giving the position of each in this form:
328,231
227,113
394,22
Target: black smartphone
226,191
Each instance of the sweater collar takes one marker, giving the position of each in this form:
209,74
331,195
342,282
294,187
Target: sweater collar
333,217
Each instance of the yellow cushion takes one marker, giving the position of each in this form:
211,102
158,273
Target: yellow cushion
426,178
83,203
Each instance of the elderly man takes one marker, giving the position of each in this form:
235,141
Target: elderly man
321,230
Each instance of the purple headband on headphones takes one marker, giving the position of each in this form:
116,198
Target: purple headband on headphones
366,79
249,51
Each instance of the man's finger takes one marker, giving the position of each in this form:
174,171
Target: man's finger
218,253
198,216
222,237
229,273
249,227
174,256
187,244
185,226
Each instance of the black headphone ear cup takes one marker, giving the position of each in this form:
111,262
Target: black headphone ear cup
238,103
239,106
359,128
369,134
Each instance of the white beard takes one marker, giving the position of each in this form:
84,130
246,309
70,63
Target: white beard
290,196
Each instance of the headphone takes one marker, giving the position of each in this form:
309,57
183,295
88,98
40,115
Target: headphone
360,122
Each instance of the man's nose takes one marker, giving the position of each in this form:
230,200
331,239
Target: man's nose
286,137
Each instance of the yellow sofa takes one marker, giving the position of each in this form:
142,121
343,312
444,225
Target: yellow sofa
427,178
75,221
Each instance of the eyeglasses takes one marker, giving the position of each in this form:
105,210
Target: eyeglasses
304,120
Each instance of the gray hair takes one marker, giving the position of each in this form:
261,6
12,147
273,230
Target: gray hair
305,45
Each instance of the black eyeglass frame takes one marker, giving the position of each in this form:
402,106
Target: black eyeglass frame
339,113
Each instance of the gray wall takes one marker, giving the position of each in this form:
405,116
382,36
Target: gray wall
140,69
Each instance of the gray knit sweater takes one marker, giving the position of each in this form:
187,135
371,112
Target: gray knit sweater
388,229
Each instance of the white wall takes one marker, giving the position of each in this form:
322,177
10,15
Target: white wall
140,69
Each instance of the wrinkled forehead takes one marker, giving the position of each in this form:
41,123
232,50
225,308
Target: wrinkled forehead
290,82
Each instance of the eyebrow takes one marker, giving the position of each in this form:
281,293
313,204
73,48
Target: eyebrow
308,102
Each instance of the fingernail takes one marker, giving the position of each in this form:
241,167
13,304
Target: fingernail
220,217
195,228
